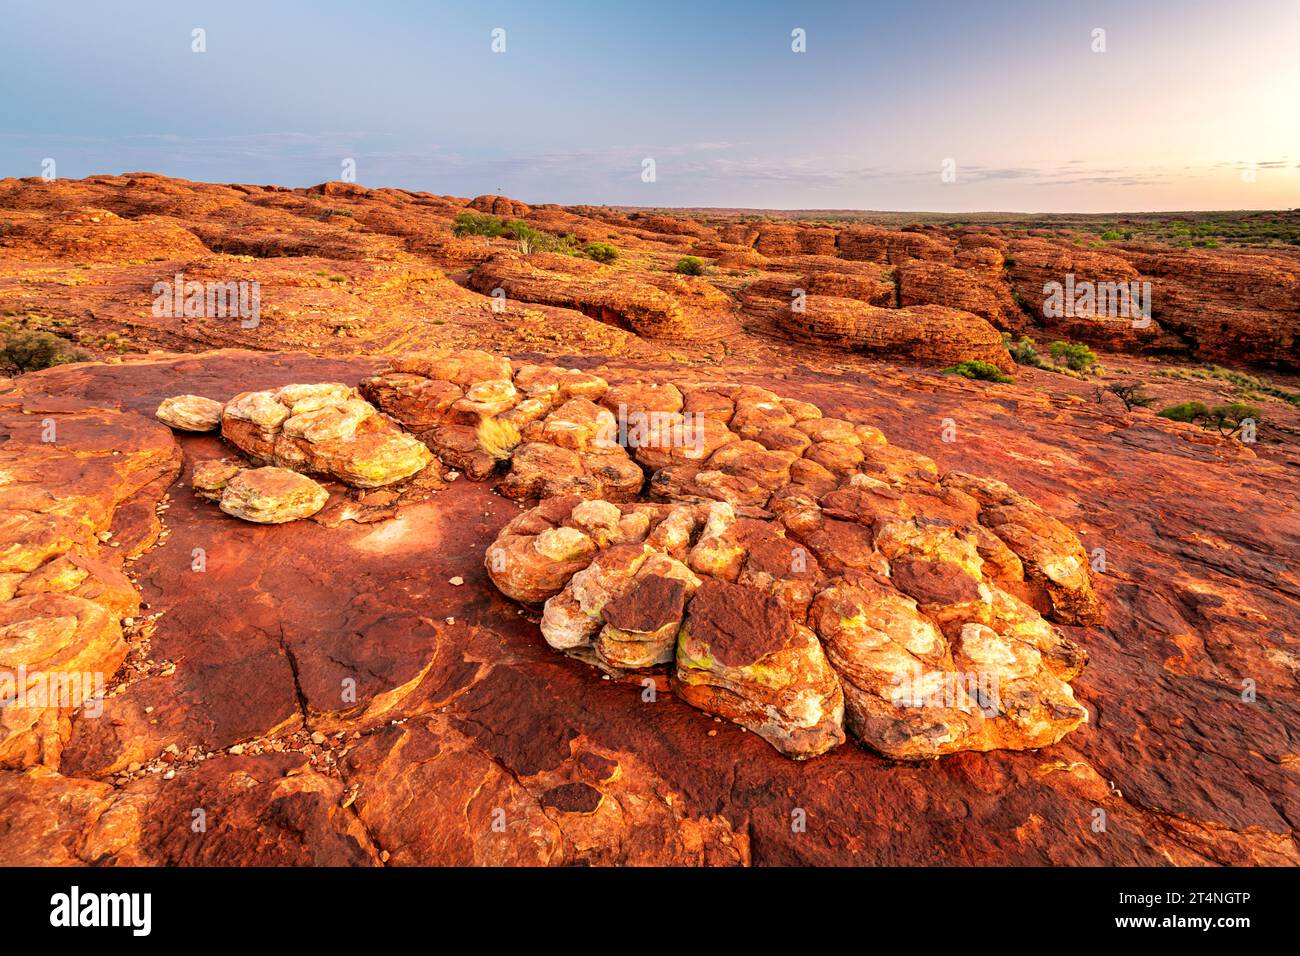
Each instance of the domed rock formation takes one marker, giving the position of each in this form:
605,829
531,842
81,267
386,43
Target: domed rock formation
663,306
271,495
931,335
502,206
322,429
977,286
891,246
807,577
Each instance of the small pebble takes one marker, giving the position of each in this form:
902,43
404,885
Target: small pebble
457,581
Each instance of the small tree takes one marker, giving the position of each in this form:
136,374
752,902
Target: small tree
1227,420
1231,418
1023,352
1131,395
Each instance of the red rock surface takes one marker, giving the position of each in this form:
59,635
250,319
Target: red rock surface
326,693
1199,595
365,271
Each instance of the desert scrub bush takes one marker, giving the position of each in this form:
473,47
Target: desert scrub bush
1247,385
690,266
27,350
532,239
1024,351
1185,412
1111,235
478,224
1226,419
983,371
1073,355
600,251
498,438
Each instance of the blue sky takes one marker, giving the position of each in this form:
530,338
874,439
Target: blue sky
1184,97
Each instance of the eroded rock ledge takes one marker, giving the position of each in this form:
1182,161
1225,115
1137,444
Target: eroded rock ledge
812,575
459,721
801,574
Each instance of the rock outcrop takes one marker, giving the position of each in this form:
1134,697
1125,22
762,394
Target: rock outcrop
190,413
929,335
663,307
271,495
856,588
323,429
502,206
1241,307
72,473
976,285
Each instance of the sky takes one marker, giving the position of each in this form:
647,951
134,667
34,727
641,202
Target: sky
925,105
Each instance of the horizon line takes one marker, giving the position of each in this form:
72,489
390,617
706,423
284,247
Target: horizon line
702,209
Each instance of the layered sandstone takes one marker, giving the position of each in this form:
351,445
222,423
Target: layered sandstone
655,307
322,428
930,335
807,577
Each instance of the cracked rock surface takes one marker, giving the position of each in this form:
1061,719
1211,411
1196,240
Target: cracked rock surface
325,694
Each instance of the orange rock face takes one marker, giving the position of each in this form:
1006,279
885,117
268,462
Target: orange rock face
930,335
775,530
359,270
664,307
977,286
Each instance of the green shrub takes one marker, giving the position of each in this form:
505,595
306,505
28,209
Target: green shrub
690,266
1111,235
478,224
27,350
1185,412
531,239
1228,419
600,251
1225,419
977,369
1073,355
1023,352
